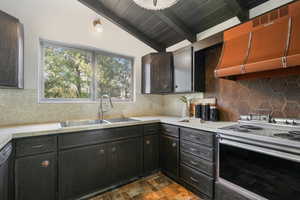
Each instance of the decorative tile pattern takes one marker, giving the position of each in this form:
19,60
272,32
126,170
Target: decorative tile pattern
280,95
155,187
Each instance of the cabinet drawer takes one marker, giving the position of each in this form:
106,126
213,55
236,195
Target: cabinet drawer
98,136
198,150
197,163
225,193
198,180
197,136
170,130
36,145
151,129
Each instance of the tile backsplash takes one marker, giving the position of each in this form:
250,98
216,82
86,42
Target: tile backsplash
22,107
281,95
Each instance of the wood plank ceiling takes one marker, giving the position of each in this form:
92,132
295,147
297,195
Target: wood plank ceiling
162,29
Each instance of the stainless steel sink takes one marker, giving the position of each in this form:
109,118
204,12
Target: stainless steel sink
82,123
117,120
94,122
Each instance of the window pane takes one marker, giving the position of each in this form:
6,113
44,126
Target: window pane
114,77
67,73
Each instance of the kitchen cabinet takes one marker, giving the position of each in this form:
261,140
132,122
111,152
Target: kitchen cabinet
197,161
115,160
5,172
183,70
157,73
169,158
151,153
11,52
36,177
83,170
125,160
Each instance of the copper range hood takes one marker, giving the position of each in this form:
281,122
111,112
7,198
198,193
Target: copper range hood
266,46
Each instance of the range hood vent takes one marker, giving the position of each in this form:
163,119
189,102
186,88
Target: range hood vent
268,45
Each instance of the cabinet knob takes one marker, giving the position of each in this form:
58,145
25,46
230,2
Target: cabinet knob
174,144
176,86
45,163
147,142
114,149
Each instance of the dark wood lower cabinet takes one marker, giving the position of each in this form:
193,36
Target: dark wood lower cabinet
169,158
36,177
125,160
151,153
83,171
86,166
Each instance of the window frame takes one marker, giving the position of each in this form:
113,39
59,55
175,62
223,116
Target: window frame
93,51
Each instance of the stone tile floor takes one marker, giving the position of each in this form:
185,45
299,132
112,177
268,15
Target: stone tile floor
155,187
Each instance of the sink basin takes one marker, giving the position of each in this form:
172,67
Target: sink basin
82,123
116,120
94,122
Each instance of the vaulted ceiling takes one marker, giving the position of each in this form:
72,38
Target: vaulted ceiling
162,29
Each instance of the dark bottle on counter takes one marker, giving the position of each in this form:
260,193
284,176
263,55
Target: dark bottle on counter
206,112
214,114
198,111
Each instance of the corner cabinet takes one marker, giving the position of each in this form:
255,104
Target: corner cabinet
183,70
11,52
157,73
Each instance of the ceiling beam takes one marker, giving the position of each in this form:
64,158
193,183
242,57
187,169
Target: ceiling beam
177,25
235,7
99,8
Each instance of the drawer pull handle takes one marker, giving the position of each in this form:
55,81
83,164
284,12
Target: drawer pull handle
174,144
194,180
147,142
45,163
193,163
37,146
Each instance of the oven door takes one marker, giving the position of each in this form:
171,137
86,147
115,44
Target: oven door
258,171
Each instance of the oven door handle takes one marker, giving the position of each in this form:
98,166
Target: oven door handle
259,149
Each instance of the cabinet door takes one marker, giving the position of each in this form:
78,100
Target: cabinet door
163,73
151,153
36,177
169,155
4,180
125,158
183,70
157,73
11,52
83,170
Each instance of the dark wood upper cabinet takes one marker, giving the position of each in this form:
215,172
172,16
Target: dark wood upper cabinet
11,52
157,73
183,70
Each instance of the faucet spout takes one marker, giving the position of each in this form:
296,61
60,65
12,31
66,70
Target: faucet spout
101,109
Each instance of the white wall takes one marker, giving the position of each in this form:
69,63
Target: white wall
70,22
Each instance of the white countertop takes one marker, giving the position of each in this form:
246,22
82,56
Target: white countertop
9,133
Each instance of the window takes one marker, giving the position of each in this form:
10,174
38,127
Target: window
83,74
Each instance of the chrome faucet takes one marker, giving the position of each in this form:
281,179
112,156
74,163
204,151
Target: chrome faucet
101,109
